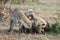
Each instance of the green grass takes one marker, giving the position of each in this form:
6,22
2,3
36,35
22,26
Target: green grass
15,2
56,28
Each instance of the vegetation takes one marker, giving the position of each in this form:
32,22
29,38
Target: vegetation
15,1
23,1
56,26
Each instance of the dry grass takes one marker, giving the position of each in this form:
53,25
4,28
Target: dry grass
46,9
23,36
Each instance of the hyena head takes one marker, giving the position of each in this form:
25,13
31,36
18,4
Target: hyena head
29,14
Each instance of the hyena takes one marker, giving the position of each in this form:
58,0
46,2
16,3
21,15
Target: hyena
36,24
18,15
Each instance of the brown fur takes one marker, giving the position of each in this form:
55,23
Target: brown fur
29,22
43,21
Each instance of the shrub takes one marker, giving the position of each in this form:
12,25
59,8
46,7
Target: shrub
15,1
55,27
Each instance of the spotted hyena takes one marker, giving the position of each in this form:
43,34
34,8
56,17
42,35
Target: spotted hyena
19,16
36,26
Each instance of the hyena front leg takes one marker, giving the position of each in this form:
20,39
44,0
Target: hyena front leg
39,30
20,28
11,25
24,29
